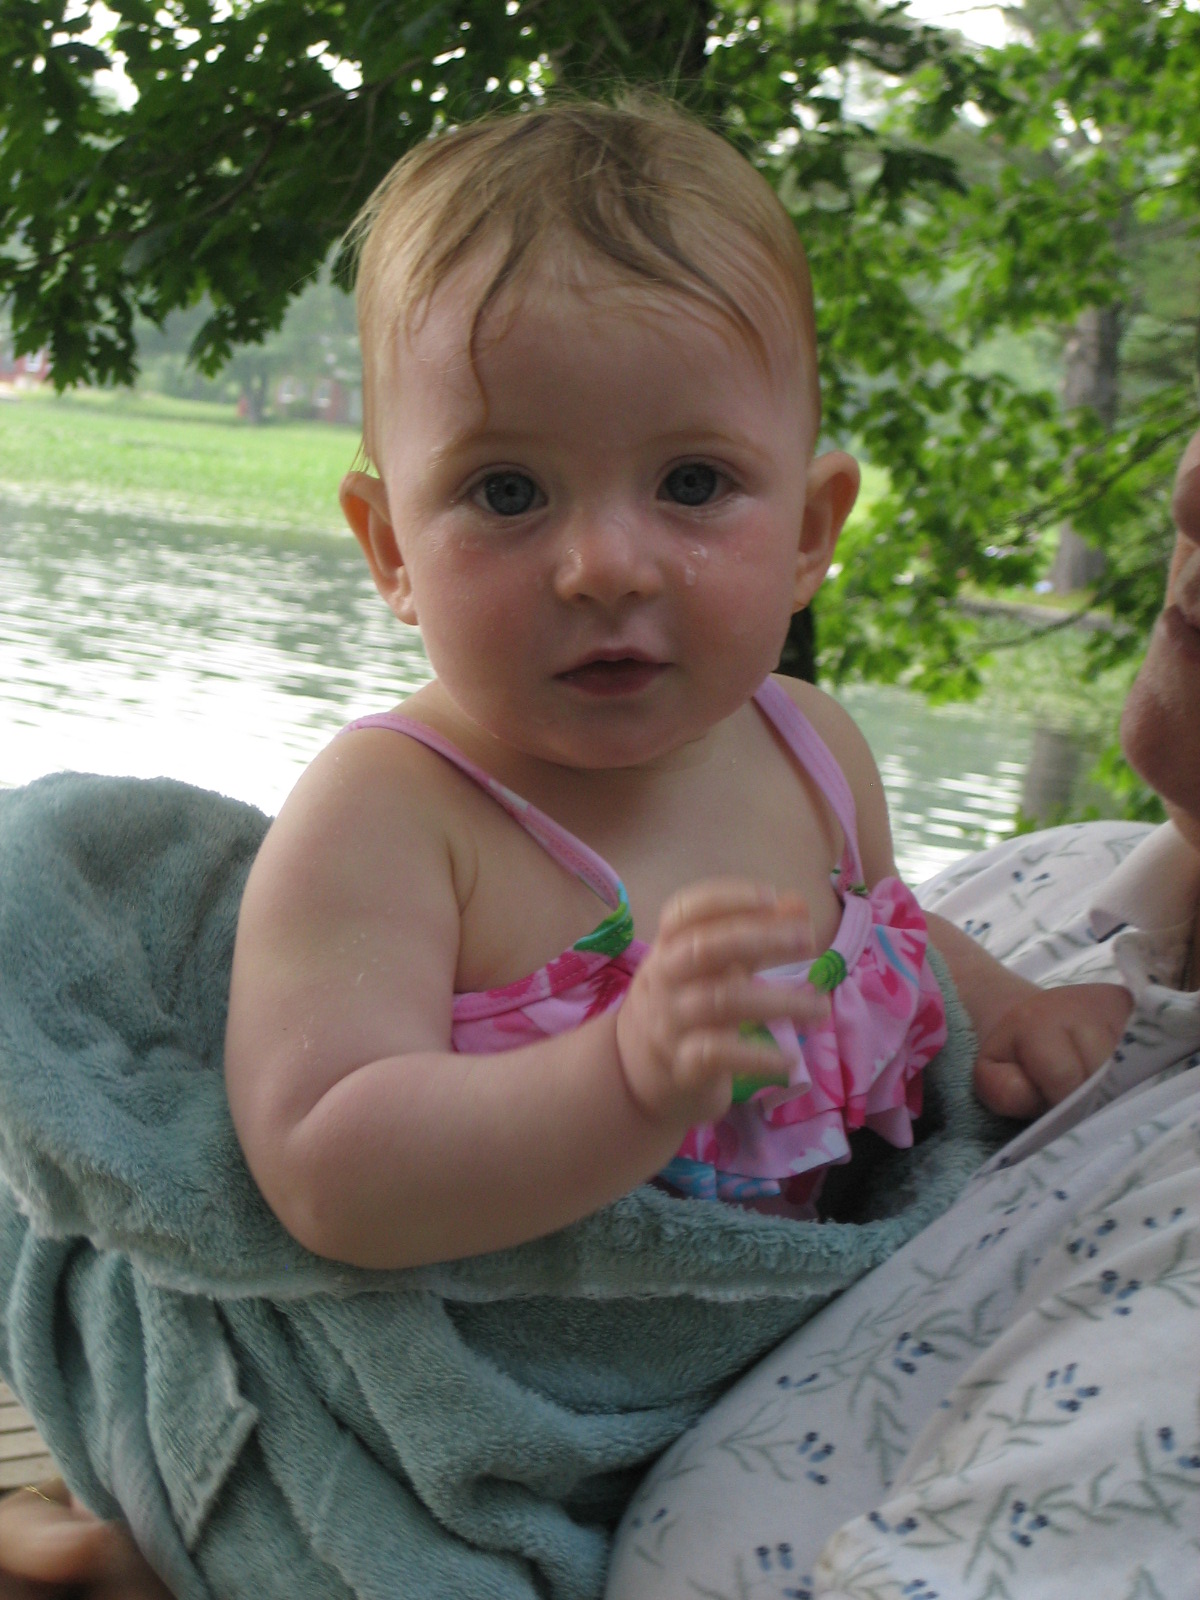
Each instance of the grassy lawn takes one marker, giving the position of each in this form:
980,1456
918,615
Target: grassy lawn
186,459
172,458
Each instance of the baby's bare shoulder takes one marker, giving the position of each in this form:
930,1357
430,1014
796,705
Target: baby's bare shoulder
348,933
360,857
838,729
831,720
373,809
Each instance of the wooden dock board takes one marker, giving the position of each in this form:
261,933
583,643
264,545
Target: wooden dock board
23,1456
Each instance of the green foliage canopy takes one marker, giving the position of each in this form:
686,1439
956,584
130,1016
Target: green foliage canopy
260,126
946,193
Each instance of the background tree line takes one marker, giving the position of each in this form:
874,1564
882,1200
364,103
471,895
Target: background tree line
955,201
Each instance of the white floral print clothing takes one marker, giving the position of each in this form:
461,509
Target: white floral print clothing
1009,1409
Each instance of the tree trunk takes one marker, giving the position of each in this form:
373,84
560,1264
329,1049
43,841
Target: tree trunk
799,656
1050,776
1090,379
255,392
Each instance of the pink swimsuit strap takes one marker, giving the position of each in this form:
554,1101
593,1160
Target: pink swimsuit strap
780,711
558,843
815,756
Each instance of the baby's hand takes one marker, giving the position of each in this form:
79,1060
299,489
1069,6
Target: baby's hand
680,1032
1047,1044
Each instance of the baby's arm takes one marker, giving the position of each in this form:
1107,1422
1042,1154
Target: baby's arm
1035,1045
372,1141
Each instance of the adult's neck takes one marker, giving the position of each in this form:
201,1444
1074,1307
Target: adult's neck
1189,827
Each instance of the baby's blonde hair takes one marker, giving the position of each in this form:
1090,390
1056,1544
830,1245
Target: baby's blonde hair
639,185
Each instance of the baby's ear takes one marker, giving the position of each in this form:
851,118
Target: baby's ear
832,489
365,508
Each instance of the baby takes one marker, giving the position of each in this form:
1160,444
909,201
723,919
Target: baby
591,399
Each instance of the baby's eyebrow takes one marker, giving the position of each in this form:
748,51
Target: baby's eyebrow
472,438
454,446
700,437
744,448
698,440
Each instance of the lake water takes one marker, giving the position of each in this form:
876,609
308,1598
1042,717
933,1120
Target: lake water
228,657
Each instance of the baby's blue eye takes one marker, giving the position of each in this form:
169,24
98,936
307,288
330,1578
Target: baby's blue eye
693,484
508,494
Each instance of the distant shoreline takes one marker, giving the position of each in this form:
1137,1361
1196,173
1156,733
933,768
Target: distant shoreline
175,460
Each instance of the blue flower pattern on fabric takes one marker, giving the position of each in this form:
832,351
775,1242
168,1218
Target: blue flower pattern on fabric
1062,1466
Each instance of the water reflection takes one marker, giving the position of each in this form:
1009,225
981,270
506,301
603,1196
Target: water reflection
228,658
953,776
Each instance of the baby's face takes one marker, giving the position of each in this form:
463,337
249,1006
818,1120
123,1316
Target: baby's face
602,528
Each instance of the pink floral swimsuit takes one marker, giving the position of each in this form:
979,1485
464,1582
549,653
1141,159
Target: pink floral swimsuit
859,1068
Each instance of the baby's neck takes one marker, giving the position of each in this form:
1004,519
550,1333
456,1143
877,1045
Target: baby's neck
617,809
534,776
590,800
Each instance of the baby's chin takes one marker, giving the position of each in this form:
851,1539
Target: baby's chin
653,758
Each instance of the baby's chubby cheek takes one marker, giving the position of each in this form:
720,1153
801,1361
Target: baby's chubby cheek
746,580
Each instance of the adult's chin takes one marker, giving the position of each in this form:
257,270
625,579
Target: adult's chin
1188,824
1160,729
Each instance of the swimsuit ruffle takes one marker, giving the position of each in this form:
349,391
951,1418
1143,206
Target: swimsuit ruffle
860,1068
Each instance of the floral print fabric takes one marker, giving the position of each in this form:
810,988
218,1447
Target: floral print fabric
1072,1446
861,1067
1009,1409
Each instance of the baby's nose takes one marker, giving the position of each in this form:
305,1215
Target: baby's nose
607,559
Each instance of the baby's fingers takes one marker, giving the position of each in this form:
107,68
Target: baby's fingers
713,897
1071,1057
1054,1064
736,998
745,941
1045,1048
1035,1073
1004,1088
715,1063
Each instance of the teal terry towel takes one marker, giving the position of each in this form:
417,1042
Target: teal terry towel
273,1423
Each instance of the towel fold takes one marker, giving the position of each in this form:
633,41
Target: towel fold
262,1416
